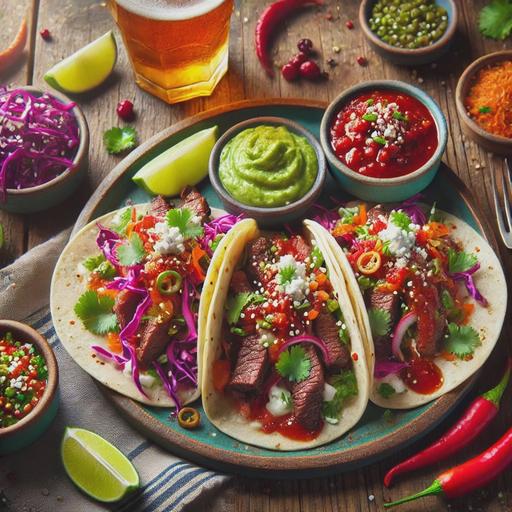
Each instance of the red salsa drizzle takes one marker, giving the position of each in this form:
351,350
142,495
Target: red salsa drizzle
423,376
384,134
23,378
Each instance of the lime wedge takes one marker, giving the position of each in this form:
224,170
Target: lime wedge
185,163
85,69
98,468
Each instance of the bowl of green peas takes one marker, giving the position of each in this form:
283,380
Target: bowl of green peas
28,385
409,32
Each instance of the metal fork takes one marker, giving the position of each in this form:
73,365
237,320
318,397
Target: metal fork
506,186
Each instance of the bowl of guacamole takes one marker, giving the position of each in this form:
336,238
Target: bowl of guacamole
268,168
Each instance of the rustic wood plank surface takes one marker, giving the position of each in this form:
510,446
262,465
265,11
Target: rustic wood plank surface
73,23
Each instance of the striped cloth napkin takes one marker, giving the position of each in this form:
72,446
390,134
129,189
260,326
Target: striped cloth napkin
33,480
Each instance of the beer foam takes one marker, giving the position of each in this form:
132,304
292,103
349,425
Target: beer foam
166,10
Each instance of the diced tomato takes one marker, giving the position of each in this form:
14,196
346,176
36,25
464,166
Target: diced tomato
395,280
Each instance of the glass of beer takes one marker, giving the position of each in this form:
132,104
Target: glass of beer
178,48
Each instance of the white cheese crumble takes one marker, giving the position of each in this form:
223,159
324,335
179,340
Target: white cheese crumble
401,242
279,401
329,392
170,240
296,287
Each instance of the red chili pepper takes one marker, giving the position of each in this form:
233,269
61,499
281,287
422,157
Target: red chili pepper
270,19
471,475
477,416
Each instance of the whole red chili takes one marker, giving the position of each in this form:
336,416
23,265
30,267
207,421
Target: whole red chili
477,416
271,18
471,475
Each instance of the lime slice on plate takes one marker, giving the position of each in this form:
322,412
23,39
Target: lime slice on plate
85,69
97,467
185,163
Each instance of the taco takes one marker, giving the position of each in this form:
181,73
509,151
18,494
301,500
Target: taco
284,365
430,296
130,295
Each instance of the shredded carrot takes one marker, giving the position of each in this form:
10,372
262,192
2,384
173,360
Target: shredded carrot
313,313
114,343
468,310
313,286
437,230
322,295
489,101
361,218
343,229
320,278
197,254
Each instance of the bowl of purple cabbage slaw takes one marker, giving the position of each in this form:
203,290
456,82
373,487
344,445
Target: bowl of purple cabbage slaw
44,143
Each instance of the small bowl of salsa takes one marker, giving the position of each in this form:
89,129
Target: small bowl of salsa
268,168
28,385
384,140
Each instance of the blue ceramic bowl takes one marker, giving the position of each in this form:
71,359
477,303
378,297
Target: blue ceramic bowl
383,190
28,429
404,56
272,216
42,197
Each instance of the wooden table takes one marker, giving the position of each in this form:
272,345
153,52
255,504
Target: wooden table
73,23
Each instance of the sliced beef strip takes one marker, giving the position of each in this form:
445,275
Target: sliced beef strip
194,201
307,396
159,206
251,365
326,329
153,342
124,306
240,282
258,251
387,301
376,212
301,248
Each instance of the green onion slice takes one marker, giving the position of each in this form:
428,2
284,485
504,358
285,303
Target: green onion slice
168,282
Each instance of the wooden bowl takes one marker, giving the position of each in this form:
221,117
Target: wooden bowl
271,216
29,428
42,197
493,143
405,56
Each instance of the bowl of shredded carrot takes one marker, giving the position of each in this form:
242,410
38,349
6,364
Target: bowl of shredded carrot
484,102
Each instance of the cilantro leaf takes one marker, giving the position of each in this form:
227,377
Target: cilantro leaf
460,261
181,218
106,270
435,215
236,303
401,220
380,321
131,252
462,340
399,116
345,384
317,257
484,110
365,282
495,19
96,313
93,262
386,390
294,364
119,139
347,214
286,274
124,218
286,398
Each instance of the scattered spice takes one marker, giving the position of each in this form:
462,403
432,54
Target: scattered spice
301,65
125,110
362,61
45,34
489,101
349,24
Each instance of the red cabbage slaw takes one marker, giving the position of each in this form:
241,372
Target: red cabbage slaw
39,138
219,226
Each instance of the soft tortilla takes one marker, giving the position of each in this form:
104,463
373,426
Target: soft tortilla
488,322
220,409
68,283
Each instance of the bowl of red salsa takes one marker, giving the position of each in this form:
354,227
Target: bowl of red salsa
28,385
384,140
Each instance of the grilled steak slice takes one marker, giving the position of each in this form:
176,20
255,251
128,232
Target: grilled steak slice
326,329
240,282
159,206
307,395
387,301
195,202
258,251
153,342
124,306
301,248
251,364
376,212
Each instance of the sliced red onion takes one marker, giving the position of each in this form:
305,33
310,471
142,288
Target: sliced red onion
107,241
467,277
384,368
326,218
189,317
413,210
306,338
135,371
398,335
103,352
168,385
218,226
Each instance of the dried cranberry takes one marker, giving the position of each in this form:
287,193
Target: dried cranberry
299,59
310,70
45,34
290,72
362,60
125,110
305,46
349,24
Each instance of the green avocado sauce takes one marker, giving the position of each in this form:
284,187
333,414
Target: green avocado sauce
268,166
